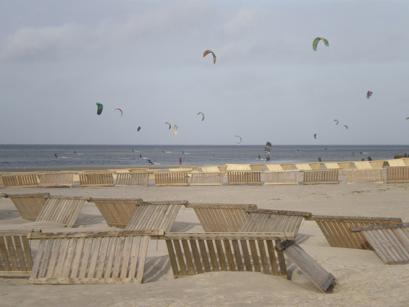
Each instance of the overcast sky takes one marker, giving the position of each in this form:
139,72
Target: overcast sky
58,58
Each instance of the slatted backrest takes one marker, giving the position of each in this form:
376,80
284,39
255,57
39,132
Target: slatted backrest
244,177
132,178
117,212
29,205
338,229
321,177
61,210
15,254
195,253
206,178
58,179
283,177
398,174
80,258
1,181
23,179
96,179
390,242
172,178
222,217
159,215
262,220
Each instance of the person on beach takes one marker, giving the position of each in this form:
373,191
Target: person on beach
180,160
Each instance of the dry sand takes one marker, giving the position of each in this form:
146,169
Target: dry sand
362,279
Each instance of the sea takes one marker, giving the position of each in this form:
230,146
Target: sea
52,157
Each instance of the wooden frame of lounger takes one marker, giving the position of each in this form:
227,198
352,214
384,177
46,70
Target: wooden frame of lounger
210,175
29,205
155,216
90,257
397,174
265,220
338,229
132,177
56,179
390,242
100,178
276,174
221,217
171,178
20,179
117,212
329,176
15,254
242,174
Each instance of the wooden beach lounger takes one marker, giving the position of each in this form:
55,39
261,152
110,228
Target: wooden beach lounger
362,171
133,177
276,174
390,242
338,229
209,175
238,174
155,216
29,205
90,257
56,180
397,174
15,254
172,177
329,176
117,212
20,179
195,253
103,178
221,217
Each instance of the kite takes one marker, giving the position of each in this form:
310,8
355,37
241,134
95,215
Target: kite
139,128
346,127
169,125
202,115
100,107
315,136
317,40
368,94
336,122
239,137
174,129
407,118
120,110
206,52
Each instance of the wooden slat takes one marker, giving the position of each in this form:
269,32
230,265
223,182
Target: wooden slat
338,229
171,178
29,205
15,255
244,178
282,177
92,259
199,178
96,179
132,178
329,176
58,179
117,212
61,210
23,179
221,217
399,174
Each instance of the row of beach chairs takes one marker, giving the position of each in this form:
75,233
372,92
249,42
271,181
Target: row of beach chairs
390,171
235,238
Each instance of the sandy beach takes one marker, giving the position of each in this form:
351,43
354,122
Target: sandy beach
362,278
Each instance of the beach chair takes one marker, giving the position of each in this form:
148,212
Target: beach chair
265,220
242,174
172,177
117,212
390,242
195,253
61,210
221,217
29,205
15,254
362,172
209,175
90,257
338,229
397,174
276,174
100,178
157,215
56,180
329,176
132,177
20,179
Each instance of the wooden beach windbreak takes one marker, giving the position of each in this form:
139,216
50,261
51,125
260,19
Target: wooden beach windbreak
397,174
133,177
117,212
100,178
221,217
61,210
263,220
390,242
90,257
209,175
329,176
242,174
20,179
155,216
15,254
172,178
276,174
56,180
29,205
338,229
